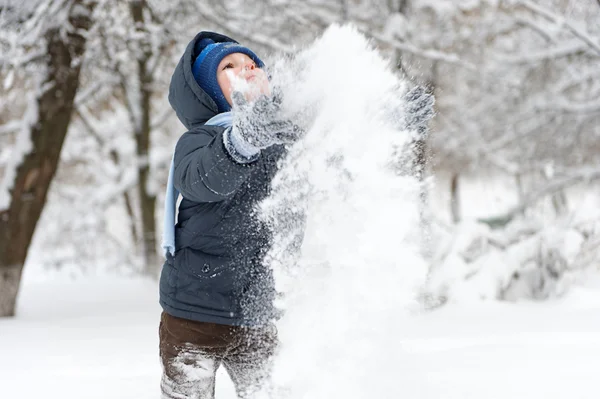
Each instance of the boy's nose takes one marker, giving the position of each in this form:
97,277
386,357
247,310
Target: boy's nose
249,66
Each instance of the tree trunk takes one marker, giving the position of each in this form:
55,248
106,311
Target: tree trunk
64,50
10,278
344,10
560,203
520,189
455,199
147,198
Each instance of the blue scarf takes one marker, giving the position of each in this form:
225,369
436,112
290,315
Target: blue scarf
225,120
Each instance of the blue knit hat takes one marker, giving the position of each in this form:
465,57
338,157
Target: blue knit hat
205,67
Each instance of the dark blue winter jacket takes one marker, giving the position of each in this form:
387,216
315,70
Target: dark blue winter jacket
217,273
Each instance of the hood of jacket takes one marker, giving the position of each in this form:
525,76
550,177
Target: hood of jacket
191,104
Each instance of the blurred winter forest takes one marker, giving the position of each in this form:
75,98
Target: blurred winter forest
510,170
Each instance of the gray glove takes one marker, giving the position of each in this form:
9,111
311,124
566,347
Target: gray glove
418,110
256,126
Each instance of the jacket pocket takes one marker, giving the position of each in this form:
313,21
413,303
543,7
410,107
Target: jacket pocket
206,281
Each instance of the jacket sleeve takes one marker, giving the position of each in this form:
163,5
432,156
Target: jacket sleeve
204,171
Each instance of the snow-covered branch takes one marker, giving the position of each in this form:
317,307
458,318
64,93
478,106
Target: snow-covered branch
431,54
10,127
547,34
88,92
580,79
162,118
85,118
571,107
561,21
269,42
19,59
587,175
562,50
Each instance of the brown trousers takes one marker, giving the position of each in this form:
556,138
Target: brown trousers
191,352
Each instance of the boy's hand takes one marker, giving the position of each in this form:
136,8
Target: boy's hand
418,109
257,126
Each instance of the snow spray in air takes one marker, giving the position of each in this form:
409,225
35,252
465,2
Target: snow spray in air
346,257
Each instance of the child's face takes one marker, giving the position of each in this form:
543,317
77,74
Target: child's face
239,72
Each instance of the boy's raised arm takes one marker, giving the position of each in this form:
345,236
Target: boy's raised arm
204,171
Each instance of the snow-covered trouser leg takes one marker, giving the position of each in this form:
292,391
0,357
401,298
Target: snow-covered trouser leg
192,351
249,360
190,374
189,358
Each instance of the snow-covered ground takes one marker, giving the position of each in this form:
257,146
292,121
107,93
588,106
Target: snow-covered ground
96,337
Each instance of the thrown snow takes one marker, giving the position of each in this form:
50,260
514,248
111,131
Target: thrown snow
360,268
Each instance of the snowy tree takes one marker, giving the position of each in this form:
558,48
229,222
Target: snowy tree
527,104
42,53
520,102
121,139
133,41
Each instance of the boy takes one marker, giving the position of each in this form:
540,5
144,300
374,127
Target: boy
215,291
